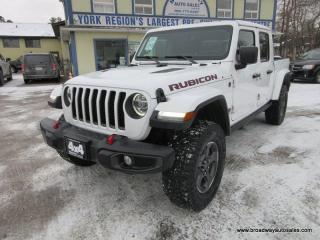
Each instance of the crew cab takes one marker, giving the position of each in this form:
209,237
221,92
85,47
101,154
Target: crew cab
5,70
186,89
307,67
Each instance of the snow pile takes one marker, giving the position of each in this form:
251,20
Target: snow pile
26,30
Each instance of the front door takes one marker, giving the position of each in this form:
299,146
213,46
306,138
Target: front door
110,53
245,88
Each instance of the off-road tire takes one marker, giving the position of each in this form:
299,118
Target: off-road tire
317,78
14,69
276,113
1,78
10,75
58,79
75,161
180,182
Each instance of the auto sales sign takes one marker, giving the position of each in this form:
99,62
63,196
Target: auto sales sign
186,8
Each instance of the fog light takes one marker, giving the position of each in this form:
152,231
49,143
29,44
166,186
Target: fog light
128,160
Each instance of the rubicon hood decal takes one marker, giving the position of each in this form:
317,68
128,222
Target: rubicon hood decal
189,83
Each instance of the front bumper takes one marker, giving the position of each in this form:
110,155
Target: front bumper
147,158
304,75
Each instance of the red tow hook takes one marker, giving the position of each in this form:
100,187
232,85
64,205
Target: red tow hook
56,125
111,139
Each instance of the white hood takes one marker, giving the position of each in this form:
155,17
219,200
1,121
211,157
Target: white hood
149,78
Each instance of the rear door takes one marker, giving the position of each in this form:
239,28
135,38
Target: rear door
266,68
38,64
245,88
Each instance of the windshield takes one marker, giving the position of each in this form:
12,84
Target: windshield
206,43
311,55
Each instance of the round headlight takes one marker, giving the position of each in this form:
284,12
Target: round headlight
140,104
67,96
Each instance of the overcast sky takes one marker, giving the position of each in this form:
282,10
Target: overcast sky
32,11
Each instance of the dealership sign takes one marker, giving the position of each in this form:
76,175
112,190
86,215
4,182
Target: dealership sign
186,8
140,22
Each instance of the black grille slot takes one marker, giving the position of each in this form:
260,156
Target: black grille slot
74,111
112,98
94,106
86,105
80,104
121,121
99,107
103,107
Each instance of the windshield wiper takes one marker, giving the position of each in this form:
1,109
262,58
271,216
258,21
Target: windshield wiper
188,58
153,58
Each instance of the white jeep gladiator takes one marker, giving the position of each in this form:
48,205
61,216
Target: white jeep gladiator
169,111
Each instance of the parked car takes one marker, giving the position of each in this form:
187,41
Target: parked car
5,70
38,66
186,89
307,67
16,64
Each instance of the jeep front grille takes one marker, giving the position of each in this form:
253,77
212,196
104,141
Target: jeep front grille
101,108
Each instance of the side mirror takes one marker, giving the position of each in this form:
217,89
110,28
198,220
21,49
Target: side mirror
8,59
247,55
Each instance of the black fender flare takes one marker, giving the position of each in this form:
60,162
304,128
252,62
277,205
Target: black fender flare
224,107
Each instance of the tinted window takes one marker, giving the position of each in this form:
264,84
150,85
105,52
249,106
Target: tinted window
313,54
11,43
206,43
264,47
37,59
246,39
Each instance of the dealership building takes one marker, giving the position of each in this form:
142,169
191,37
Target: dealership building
104,33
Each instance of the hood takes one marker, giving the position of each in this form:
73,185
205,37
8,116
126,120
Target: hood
302,62
171,78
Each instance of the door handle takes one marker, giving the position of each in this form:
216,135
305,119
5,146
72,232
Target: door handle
269,72
256,75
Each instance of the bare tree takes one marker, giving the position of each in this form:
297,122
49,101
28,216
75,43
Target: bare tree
3,20
299,23
55,19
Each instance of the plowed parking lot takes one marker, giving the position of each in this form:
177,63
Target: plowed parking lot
271,180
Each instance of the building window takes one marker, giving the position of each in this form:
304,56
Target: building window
11,43
252,9
224,8
143,7
103,6
264,47
32,43
110,53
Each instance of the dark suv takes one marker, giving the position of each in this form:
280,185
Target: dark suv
307,67
38,66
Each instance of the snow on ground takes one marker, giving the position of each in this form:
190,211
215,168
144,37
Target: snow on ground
271,180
